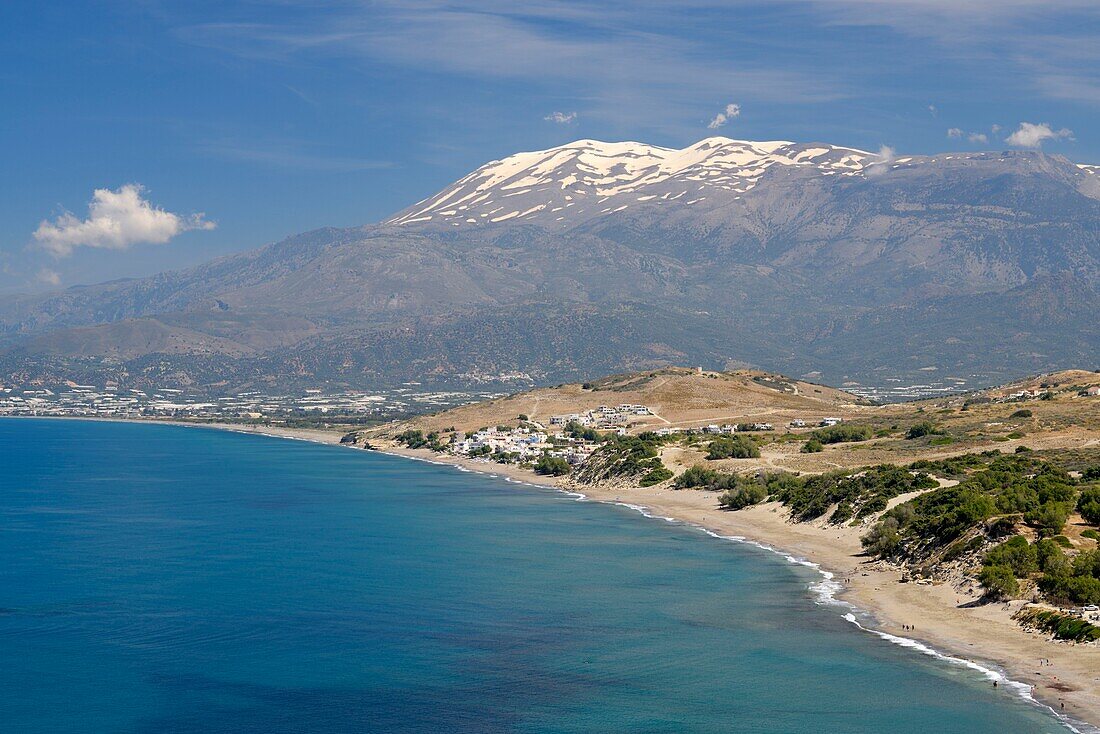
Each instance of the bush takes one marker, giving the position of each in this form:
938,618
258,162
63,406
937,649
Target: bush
1090,533
738,447
941,441
1061,626
553,466
1049,518
883,539
1088,504
999,582
1015,553
843,433
1050,557
813,446
1025,413
742,496
924,428
576,430
655,475
414,439
696,476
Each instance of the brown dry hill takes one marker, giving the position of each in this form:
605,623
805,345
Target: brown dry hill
1067,424
679,397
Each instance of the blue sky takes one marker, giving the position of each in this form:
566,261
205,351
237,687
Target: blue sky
233,124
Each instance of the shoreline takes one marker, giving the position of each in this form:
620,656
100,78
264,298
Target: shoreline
984,638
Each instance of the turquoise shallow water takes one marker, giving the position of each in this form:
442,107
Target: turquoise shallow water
165,579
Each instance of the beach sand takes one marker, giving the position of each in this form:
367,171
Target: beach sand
939,615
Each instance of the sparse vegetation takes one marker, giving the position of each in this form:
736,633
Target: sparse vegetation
1061,626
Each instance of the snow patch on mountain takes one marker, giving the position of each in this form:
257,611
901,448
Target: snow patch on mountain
593,173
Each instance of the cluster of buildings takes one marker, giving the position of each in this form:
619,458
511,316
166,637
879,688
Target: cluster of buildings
522,444
111,401
602,417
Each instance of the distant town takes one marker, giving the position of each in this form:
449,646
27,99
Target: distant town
111,401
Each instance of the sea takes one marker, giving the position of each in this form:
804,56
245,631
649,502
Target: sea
162,579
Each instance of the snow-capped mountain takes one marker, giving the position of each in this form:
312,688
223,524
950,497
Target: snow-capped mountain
579,181
589,177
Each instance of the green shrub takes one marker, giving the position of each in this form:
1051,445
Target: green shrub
999,582
1088,504
738,447
1025,413
924,428
742,496
1015,553
1061,626
554,466
655,476
941,441
883,539
1015,434
843,433
696,476
1049,518
1090,533
412,438
813,446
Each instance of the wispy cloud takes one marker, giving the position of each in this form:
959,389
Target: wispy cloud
117,220
49,277
615,58
1033,135
731,112
285,154
561,118
957,133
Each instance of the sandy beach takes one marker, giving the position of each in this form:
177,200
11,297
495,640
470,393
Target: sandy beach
939,616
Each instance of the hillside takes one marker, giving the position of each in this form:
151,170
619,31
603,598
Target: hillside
593,258
1066,424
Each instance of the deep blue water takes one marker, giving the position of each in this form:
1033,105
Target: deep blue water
165,579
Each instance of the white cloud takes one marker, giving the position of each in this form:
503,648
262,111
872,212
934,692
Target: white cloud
561,118
995,128
117,220
932,110
881,165
49,277
957,133
1033,135
732,111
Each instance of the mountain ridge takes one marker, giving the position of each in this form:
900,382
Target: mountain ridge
824,258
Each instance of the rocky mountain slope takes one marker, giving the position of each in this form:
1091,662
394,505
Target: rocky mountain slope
600,257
